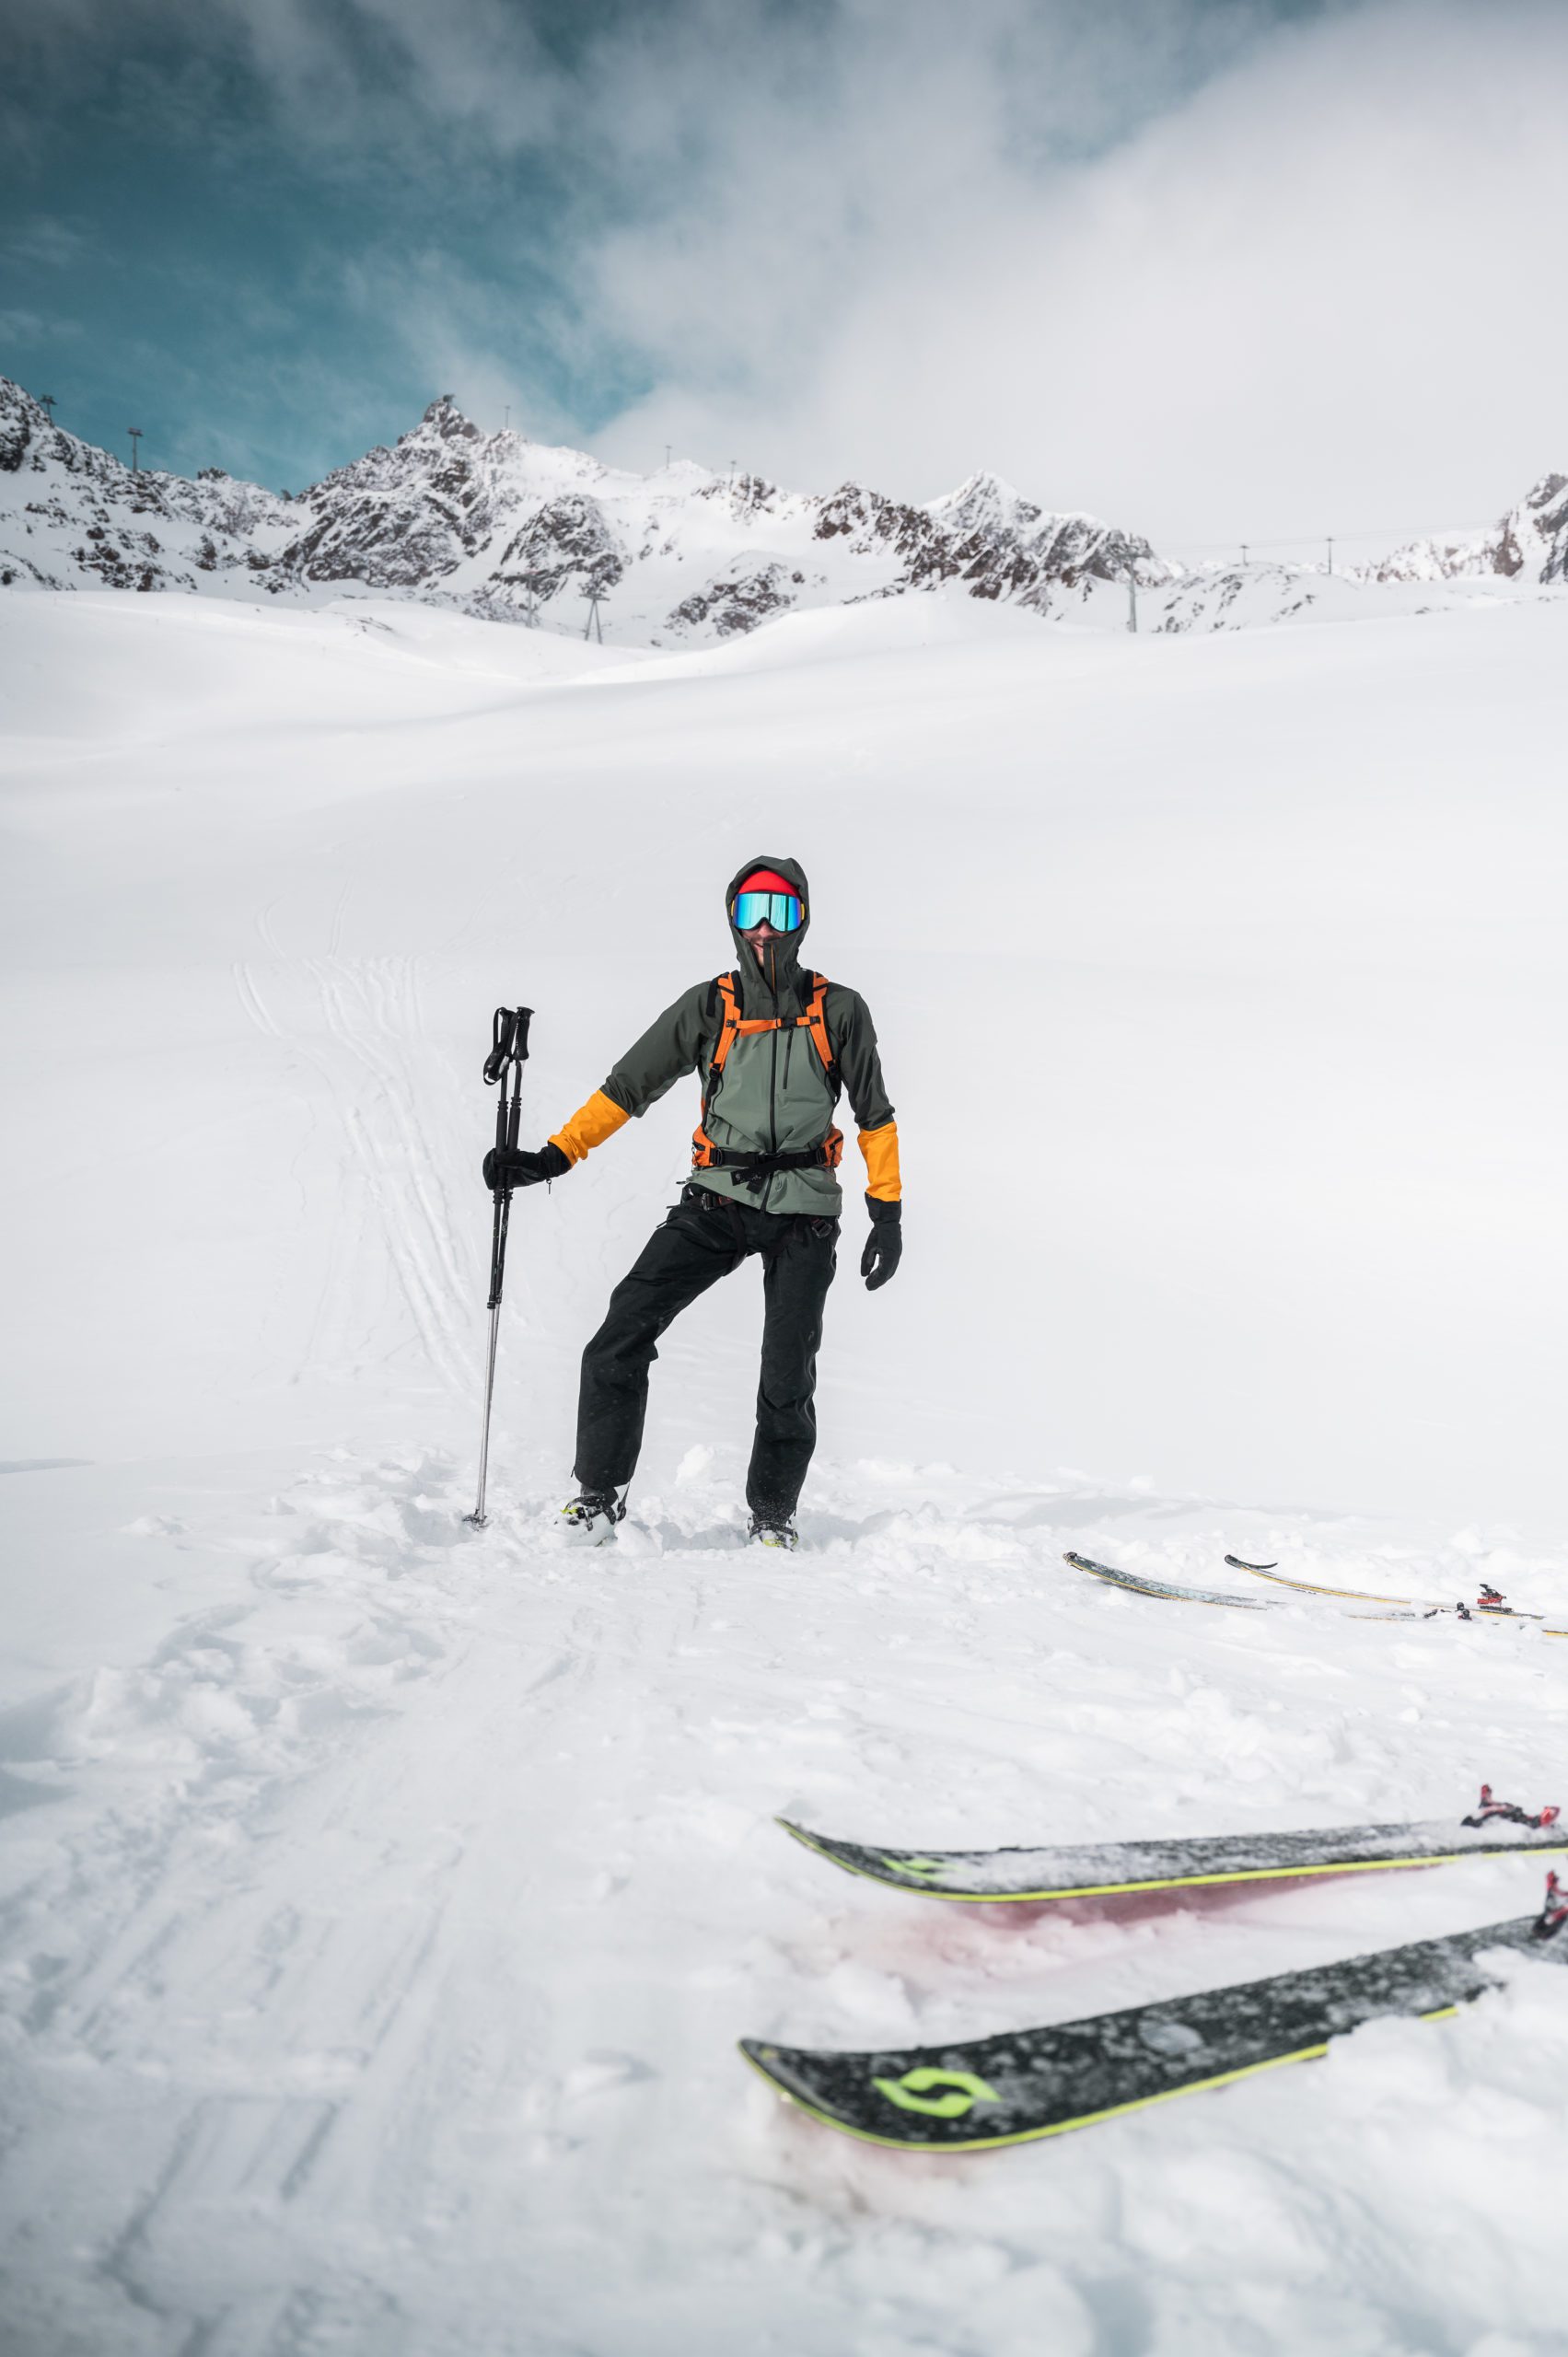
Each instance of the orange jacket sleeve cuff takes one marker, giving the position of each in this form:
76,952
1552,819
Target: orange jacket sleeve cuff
589,1126
880,1148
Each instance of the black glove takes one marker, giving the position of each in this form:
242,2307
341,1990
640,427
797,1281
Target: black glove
883,1244
510,1165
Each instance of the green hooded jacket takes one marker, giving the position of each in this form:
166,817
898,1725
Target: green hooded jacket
775,1094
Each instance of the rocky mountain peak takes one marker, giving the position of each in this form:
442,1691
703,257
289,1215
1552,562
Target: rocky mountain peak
448,420
983,501
1529,543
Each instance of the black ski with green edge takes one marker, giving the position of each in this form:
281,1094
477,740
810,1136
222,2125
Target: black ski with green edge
1095,1870
1033,2083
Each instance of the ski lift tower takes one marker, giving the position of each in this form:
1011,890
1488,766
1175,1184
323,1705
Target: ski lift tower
593,627
135,433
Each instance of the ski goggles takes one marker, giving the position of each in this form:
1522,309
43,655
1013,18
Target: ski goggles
782,911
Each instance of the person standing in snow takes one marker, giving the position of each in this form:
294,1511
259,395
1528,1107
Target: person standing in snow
772,1047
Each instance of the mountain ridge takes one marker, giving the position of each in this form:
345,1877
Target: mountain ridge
505,528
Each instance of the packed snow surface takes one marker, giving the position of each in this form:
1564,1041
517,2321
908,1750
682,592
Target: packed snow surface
379,1901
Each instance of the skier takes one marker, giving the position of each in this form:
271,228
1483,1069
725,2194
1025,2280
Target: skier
772,1046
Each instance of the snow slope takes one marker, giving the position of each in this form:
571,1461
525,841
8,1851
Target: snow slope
381,1902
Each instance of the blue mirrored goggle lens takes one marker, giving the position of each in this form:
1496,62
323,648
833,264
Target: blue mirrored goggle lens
780,910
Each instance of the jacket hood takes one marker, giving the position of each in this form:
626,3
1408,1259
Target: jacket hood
760,988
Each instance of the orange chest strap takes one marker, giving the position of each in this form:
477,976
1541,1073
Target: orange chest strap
733,1022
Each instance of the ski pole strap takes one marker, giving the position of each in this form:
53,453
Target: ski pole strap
509,1041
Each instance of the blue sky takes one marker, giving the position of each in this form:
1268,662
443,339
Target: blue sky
221,245
892,238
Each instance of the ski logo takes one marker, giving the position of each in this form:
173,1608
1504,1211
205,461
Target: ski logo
915,2092
919,1868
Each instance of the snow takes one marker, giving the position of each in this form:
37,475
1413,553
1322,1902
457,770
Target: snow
381,1901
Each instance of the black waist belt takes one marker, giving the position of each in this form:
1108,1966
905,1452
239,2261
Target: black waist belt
763,1165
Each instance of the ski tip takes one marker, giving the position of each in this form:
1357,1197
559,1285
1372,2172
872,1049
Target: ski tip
804,1835
1240,1563
762,2054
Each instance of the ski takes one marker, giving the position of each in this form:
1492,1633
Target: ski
1488,1605
1391,1607
1098,1870
1173,1594
1033,2083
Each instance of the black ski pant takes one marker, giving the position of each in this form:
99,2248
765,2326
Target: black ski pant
705,1237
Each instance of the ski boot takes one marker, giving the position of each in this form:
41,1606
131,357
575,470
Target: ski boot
773,1530
590,1519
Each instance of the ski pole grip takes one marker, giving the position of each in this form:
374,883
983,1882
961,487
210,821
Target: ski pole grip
522,1016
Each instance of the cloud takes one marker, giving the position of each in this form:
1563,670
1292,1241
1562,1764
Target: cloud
27,327
1208,267
1314,293
451,324
45,240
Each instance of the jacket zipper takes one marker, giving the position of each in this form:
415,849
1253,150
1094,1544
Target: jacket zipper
772,1076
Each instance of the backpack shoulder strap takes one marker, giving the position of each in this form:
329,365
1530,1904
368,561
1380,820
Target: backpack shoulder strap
730,1022
817,1019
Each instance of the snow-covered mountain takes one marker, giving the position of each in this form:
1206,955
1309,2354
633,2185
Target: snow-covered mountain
501,526
73,517
1530,544
504,529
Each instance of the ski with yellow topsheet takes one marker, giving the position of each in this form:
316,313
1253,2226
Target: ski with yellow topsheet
1386,1608
1489,1604
1100,1869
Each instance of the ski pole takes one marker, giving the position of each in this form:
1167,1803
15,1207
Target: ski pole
502,1069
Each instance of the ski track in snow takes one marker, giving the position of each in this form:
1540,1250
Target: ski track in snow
292,2062
368,1012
